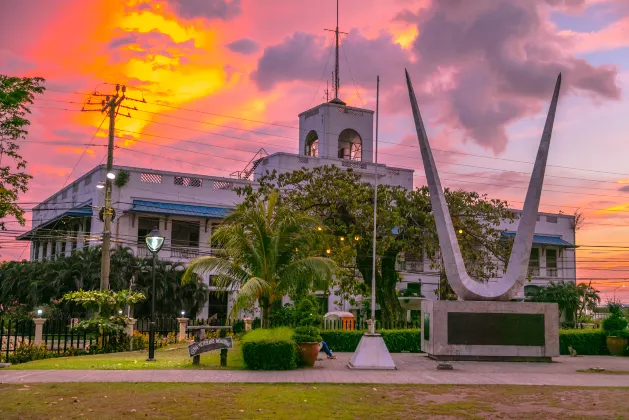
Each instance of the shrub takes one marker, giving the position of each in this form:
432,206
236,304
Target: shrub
257,323
307,335
616,322
269,349
588,342
307,311
283,316
397,341
239,326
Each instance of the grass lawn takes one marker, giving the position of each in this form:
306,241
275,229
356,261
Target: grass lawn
175,357
240,401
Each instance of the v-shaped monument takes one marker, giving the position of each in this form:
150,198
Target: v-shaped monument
484,324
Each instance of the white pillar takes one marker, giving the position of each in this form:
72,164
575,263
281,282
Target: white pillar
39,330
183,324
41,251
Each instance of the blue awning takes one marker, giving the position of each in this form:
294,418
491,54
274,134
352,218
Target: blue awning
544,240
84,210
178,209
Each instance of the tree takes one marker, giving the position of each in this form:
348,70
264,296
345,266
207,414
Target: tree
344,204
589,298
15,95
566,295
37,283
270,251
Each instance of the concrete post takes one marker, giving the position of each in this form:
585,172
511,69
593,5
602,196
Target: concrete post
130,326
248,324
39,330
183,324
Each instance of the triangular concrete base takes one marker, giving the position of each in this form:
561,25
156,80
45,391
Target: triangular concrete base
371,353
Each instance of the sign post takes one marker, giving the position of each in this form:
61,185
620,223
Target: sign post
203,345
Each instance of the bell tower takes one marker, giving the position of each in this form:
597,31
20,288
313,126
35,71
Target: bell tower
333,129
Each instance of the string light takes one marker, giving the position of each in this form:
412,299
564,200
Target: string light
356,237
328,251
319,228
342,238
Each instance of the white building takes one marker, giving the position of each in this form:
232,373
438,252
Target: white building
186,207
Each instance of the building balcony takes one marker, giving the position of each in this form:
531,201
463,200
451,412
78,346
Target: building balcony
185,253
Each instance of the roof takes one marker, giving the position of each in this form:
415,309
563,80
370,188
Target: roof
160,207
545,240
84,210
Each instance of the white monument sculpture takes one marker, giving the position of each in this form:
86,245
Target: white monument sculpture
439,337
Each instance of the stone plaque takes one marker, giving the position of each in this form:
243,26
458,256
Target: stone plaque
210,344
496,329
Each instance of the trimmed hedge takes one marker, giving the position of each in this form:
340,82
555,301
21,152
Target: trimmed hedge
588,342
273,349
397,341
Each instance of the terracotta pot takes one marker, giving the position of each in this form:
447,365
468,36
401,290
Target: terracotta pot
308,353
616,345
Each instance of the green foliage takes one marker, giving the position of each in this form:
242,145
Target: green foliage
238,326
396,340
16,93
15,311
566,295
122,179
270,251
283,316
344,204
106,302
269,349
257,323
307,334
307,311
102,325
34,283
586,342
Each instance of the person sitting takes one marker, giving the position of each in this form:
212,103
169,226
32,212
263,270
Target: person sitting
327,350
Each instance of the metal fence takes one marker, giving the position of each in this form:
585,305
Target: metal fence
13,334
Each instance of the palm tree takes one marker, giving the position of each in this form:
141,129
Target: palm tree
589,298
269,251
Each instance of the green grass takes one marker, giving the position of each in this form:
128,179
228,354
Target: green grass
175,357
302,401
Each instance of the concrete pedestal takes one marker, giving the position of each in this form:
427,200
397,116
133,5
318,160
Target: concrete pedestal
372,353
490,330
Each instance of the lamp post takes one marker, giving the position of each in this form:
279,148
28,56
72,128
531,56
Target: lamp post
154,242
622,285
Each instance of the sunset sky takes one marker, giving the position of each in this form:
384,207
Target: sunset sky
222,79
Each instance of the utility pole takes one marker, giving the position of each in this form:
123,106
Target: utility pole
110,105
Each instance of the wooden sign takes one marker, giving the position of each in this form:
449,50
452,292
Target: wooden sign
210,344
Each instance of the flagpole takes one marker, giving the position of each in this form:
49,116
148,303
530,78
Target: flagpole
375,212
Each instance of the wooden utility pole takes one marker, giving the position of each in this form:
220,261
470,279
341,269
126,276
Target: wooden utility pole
110,105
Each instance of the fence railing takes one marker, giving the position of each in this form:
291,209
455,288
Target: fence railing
13,334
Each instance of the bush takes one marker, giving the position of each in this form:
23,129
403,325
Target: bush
616,322
397,341
239,326
273,349
307,311
587,342
307,335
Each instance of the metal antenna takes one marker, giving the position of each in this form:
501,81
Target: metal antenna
336,64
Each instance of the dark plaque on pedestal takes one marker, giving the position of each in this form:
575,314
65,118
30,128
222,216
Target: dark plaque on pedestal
496,329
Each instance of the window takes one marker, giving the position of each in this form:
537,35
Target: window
414,288
350,145
88,180
63,247
534,262
185,234
551,262
145,226
64,194
217,307
413,262
188,182
531,290
312,144
75,187
551,219
151,178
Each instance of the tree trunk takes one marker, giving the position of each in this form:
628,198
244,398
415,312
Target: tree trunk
386,281
265,314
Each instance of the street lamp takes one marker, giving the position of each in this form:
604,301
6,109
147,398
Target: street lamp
154,242
622,285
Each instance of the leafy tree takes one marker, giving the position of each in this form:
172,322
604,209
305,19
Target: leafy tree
37,283
270,251
344,204
15,95
565,295
589,298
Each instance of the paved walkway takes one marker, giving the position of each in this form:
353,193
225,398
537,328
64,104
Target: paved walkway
412,369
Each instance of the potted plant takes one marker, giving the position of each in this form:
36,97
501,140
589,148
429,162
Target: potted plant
307,340
616,329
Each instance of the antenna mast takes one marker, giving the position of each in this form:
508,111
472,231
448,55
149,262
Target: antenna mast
336,64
